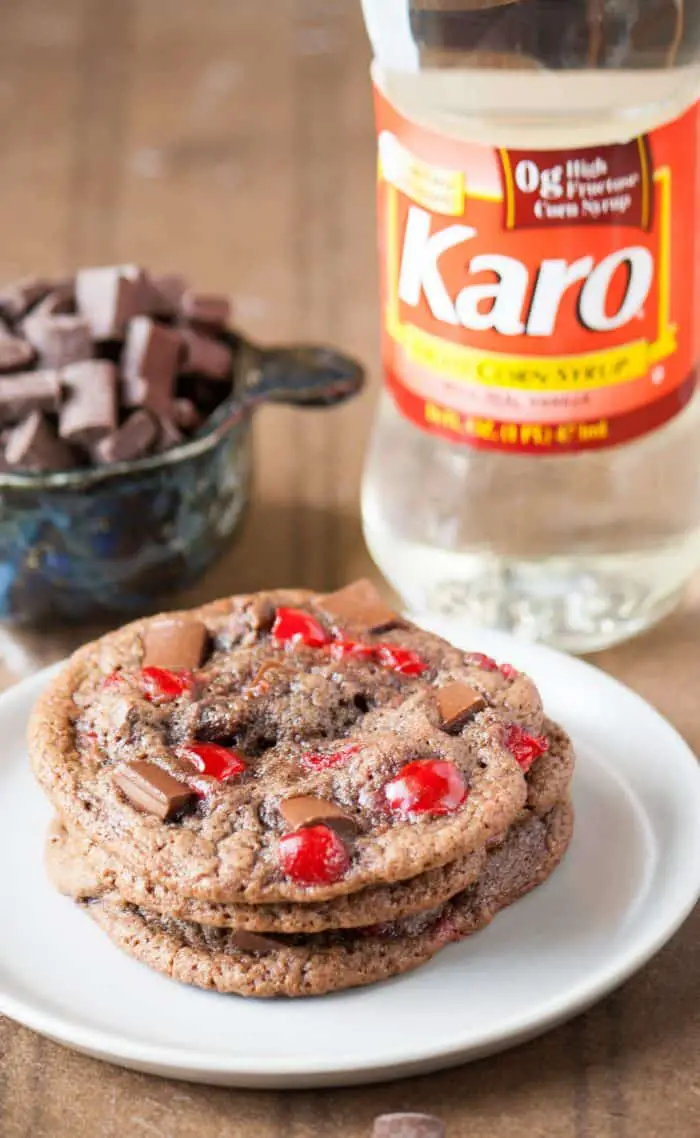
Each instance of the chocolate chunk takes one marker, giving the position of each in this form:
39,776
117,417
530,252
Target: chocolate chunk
109,297
175,642
251,942
408,1125
14,353
168,291
214,311
360,606
153,790
59,337
28,391
134,439
149,364
206,356
17,298
169,434
457,703
89,411
306,810
33,445
185,414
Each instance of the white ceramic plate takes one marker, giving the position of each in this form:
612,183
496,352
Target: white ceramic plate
631,877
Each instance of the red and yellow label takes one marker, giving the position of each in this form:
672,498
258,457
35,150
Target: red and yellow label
538,300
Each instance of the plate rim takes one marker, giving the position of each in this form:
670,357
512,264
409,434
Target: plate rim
175,1061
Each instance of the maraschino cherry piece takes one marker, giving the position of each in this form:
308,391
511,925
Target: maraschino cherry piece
508,671
113,681
523,747
428,786
400,660
298,627
479,660
341,648
315,855
316,762
160,685
213,760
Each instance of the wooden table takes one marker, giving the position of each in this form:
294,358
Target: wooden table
233,139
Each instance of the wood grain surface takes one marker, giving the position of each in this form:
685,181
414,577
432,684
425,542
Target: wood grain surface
232,139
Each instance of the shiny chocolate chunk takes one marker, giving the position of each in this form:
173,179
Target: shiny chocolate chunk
149,364
175,642
206,356
59,335
133,439
307,810
251,942
168,290
15,354
360,606
28,391
153,790
185,414
18,297
214,311
457,704
89,411
34,445
109,297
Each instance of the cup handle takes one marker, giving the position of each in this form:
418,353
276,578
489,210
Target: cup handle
304,375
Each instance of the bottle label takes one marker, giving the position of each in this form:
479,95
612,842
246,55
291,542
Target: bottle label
539,301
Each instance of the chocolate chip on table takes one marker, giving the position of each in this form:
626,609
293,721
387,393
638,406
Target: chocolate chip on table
457,703
153,790
307,810
211,310
360,606
175,642
29,391
206,356
149,364
34,445
133,439
89,411
408,1125
14,353
109,297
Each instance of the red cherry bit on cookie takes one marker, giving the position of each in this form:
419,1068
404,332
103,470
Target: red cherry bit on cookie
339,649
429,786
315,855
213,760
525,748
316,762
400,660
160,685
298,627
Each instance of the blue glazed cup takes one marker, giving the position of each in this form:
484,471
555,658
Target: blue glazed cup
110,542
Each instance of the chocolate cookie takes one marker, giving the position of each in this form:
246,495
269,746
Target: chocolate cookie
285,747
227,961
81,870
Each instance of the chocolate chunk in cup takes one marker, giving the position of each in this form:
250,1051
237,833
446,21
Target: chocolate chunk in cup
210,310
206,356
149,364
153,790
29,391
33,445
59,336
307,810
175,643
109,297
18,297
14,353
133,439
360,606
457,704
408,1125
89,410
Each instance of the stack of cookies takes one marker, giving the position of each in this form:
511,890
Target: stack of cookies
292,794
